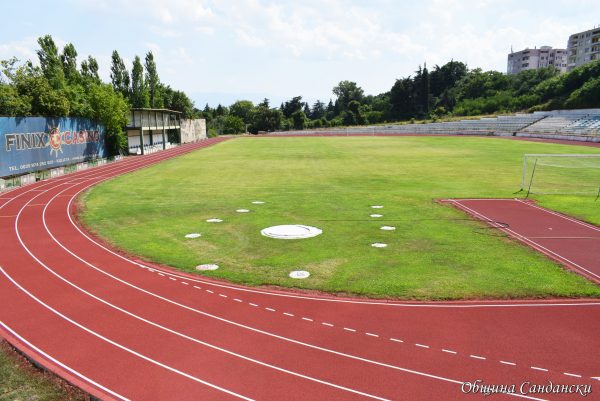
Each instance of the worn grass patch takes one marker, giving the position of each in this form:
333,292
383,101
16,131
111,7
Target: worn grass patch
435,252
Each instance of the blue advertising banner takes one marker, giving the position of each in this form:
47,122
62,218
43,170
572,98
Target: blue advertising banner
37,143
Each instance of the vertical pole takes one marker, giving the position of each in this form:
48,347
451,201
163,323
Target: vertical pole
164,131
524,172
142,139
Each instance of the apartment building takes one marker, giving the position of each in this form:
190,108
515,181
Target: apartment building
583,47
532,59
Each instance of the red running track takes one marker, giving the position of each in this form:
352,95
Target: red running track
573,243
121,329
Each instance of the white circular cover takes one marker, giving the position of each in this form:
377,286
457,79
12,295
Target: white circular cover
208,266
299,274
378,245
193,235
388,228
214,220
242,210
377,207
291,231
376,215
258,202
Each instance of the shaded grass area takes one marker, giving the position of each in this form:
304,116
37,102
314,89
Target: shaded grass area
20,381
436,252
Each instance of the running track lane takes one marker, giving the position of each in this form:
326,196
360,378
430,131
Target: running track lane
126,330
573,243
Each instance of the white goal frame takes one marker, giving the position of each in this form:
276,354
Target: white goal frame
527,156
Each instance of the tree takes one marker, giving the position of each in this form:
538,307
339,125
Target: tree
50,62
292,106
318,110
11,103
402,99
242,109
68,59
139,91
265,118
298,120
119,75
89,70
347,91
231,124
110,109
152,81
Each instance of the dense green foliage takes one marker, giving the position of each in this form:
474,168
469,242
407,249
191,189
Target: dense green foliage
436,252
57,88
446,91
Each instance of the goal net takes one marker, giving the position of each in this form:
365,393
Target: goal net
561,174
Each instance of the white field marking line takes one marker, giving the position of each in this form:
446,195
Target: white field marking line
59,363
160,274
540,369
288,314
583,223
192,339
270,309
525,239
184,283
477,357
196,287
327,324
170,301
349,329
307,319
310,298
372,335
209,291
422,345
449,351
223,295
396,340
172,278
120,346
237,300
571,374
251,304
508,363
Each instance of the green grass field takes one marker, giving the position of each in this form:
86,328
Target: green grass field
20,381
436,252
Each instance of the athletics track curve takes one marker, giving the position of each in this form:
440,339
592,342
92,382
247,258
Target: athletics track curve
122,329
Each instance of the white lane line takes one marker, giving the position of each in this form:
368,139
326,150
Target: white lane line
184,283
582,223
223,295
109,341
196,287
62,365
209,291
540,369
327,324
160,274
372,335
307,319
270,309
251,304
571,374
288,314
312,298
525,239
508,363
449,351
171,278
396,340
422,345
350,356
349,329
478,357
237,300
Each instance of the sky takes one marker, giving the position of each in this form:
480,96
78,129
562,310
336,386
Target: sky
223,51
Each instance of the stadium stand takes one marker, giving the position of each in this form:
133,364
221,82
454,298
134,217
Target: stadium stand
580,125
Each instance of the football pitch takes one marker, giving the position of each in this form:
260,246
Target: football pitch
434,252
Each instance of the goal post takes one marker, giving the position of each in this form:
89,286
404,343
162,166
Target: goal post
566,174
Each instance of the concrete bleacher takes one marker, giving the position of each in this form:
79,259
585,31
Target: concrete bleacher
582,125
